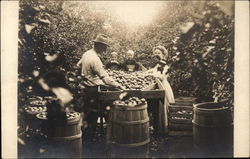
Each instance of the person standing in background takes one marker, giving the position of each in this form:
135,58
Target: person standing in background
130,64
160,72
113,63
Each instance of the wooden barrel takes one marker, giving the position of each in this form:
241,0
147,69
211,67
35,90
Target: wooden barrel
30,113
213,129
63,140
130,131
130,125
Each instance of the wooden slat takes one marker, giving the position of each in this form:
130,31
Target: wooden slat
175,126
180,133
114,95
150,87
181,115
177,108
181,104
186,99
180,121
174,112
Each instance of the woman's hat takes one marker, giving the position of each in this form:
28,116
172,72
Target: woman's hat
101,38
162,49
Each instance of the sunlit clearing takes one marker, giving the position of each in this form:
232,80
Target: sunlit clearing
133,13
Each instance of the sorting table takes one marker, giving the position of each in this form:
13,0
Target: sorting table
151,93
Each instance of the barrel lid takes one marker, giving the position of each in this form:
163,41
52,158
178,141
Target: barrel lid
213,125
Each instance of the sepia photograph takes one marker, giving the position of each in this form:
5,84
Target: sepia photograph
126,79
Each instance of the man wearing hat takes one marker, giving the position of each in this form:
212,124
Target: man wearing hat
94,75
130,64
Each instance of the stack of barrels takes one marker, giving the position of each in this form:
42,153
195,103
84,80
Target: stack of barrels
34,106
55,139
130,129
32,136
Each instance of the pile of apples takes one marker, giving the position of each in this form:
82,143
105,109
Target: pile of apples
38,102
35,109
130,102
132,81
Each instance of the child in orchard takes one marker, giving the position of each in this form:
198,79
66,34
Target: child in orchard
113,63
130,64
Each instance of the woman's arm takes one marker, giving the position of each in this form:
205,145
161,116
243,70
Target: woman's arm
165,70
152,70
79,62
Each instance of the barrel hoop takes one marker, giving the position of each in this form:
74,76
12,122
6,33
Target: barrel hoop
73,122
196,107
131,108
135,144
211,111
132,122
68,137
211,126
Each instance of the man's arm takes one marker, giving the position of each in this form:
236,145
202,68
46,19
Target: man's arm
102,73
141,67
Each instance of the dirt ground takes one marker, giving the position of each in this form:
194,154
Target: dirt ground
159,147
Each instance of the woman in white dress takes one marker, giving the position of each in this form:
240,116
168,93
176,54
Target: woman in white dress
160,71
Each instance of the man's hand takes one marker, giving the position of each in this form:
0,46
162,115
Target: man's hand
120,87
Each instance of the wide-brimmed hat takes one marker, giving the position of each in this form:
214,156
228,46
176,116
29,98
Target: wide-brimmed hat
101,38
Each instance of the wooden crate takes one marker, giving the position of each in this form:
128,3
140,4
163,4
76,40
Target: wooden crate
150,92
180,116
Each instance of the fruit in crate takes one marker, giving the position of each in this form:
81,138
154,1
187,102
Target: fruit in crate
35,109
38,102
69,115
130,102
132,81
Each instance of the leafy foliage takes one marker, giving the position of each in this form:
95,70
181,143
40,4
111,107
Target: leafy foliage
202,61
